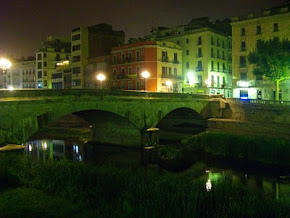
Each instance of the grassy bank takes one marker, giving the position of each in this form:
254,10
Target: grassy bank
67,188
267,150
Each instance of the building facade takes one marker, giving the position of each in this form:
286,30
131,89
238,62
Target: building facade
90,42
52,50
61,77
206,55
247,30
28,69
162,60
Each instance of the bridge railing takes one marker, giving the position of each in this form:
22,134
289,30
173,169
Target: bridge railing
258,101
48,93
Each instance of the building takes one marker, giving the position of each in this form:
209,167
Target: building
52,50
90,42
163,61
95,66
206,54
61,77
247,30
28,69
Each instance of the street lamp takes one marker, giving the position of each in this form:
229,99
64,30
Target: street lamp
101,77
4,65
169,84
145,75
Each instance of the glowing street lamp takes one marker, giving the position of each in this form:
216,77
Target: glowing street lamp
191,78
145,75
208,82
101,77
169,84
4,65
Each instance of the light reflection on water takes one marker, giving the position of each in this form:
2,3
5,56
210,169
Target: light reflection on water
52,149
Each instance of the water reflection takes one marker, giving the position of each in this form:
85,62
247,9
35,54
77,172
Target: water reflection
52,149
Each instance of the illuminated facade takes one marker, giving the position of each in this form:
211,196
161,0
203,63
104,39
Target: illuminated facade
52,50
206,55
28,73
90,42
61,77
162,60
246,31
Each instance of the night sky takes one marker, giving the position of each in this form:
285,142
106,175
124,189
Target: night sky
25,23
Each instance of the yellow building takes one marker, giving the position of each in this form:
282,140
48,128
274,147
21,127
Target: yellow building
89,42
52,50
246,31
206,55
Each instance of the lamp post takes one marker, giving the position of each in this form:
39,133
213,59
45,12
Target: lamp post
4,65
101,77
169,84
145,75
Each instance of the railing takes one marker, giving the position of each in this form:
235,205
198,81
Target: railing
258,101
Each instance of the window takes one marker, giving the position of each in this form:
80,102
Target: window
123,58
218,42
76,58
224,67
175,58
137,56
45,73
187,52
199,80
45,55
199,41
76,37
76,70
57,58
130,56
218,66
199,66
169,71
244,94
187,65
259,30
175,72
199,52
243,46
212,81
39,65
164,56
164,72
45,64
275,27
243,76
76,47
243,31
218,81
129,70
212,66
114,59
243,61
211,41
39,74
224,55
114,73
130,85
211,53
39,57
224,80
44,82
187,40
76,82
138,85
218,53
138,71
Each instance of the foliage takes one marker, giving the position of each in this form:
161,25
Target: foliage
73,189
272,59
256,148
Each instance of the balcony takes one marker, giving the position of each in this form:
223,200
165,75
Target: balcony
177,77
198,69
246,83
164,59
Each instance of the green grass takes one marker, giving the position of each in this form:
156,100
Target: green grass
67,188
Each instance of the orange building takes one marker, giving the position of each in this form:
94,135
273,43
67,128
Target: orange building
161,59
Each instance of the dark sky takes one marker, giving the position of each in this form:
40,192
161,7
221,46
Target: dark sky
25,23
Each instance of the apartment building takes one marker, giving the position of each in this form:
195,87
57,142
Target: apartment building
247,31
89,42
52,50
28,69
61,77
162,60
206,54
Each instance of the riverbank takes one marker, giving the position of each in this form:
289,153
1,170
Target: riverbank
267,150
65,188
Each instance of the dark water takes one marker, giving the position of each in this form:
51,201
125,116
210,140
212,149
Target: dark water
269,181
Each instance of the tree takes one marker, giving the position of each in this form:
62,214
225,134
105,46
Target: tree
272,59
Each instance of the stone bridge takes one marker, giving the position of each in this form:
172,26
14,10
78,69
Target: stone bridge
116,117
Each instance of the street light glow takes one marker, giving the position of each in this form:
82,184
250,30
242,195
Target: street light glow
145,74
191,78
5,64
169,84
208,82
101,77
10,88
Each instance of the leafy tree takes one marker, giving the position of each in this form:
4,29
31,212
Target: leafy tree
272,59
